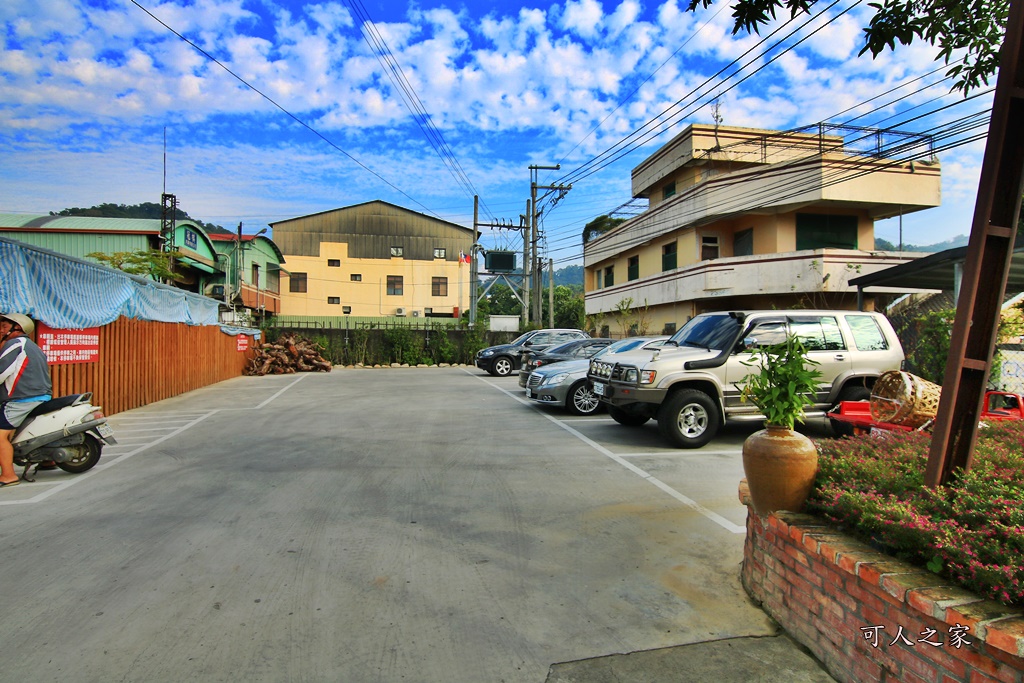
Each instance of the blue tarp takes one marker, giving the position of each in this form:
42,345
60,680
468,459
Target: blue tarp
69,293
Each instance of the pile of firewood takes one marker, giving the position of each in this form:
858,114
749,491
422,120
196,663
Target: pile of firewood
289,354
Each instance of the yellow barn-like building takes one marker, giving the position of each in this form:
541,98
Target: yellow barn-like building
373,260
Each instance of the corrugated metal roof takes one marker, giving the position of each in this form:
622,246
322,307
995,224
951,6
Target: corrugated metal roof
83,223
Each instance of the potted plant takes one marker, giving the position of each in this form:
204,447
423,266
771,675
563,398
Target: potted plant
780,463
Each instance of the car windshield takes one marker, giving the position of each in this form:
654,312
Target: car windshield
521,339
620,346
709,331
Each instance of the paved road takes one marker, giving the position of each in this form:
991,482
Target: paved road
369,525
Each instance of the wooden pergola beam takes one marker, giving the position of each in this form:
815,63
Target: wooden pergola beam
987,265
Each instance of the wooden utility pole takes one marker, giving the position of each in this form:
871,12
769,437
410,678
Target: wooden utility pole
986,267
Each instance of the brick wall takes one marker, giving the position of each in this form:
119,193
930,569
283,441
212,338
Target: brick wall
869,617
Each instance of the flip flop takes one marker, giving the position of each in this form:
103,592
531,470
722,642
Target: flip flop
10,483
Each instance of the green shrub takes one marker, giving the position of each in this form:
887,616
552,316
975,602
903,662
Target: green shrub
971,531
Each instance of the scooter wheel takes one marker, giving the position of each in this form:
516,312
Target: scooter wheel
88,456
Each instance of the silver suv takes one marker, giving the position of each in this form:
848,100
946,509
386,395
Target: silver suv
694,383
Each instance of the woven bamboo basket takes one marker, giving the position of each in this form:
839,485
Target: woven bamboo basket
904,399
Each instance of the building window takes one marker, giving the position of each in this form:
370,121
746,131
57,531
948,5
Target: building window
708,247
346,310
439,286
334,300
297,282
597,278
743,243
820,231
670,328
668,256
356,277
334,263
395,285
668,190
633,269
396,251
439,252
609,276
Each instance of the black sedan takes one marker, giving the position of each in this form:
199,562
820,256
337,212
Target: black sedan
574,350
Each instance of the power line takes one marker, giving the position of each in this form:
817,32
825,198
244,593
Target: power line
412,101
659,124
283,110
877,109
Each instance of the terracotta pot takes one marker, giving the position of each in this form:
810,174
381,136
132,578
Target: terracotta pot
780,465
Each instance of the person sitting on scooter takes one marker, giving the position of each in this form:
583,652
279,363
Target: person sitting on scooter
24,384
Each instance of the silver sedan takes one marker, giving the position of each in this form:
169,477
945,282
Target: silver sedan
565,383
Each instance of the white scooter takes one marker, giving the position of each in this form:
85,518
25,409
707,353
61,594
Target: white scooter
67,431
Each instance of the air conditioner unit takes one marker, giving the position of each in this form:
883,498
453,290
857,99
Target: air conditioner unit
400,311
415,314
214,290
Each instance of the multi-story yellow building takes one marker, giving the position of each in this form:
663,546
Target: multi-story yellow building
743,218
371,260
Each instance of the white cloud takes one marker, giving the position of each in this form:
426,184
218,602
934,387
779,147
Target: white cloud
583,17
529,83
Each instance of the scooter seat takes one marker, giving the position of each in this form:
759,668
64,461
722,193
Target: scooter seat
54,404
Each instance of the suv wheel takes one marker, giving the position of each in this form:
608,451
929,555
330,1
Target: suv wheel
840,428
502,366
582,401
627,418
688,419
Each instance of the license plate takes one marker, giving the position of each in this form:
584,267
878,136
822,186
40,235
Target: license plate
104,430
529,394
598,389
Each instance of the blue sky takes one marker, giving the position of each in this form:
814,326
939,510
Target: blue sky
89,88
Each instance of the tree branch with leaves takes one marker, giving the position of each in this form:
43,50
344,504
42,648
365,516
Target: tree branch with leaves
968,33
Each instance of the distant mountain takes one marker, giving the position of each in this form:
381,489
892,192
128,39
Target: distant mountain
958,241
570,275
144,210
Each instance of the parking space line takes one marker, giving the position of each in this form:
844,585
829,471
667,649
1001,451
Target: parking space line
186,421
680,451
685,500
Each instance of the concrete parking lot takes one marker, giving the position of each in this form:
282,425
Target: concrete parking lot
372,525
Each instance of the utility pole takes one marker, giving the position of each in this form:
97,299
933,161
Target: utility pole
551,292
533,217
476,249
527,262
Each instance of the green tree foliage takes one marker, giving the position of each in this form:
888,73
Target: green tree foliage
143,210
146,262
568,307
967,33
926,341
501,301
599,226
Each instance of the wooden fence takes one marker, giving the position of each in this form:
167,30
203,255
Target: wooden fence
141,362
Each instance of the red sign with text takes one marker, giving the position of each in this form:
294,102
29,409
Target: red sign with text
243,342
63,347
